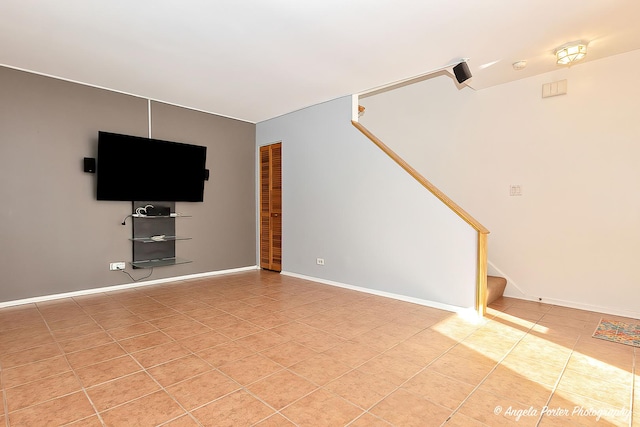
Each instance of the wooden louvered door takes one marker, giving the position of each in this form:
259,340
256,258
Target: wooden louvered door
271,207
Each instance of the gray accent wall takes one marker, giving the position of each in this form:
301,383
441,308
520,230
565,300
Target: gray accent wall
224,226
56,237
345,201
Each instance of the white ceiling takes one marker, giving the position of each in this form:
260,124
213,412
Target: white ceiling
257,59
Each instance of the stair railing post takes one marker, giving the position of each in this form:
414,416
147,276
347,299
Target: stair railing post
481,281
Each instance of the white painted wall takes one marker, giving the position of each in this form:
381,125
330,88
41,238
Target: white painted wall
573,238
345,201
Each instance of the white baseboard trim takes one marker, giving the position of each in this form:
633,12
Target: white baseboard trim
522,295
125,286
583,306
467,312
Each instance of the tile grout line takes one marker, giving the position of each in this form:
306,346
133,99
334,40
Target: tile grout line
367,410
245,387
573,351
318,386
326,307
144,369
191,352
277,411
126,352
555,386
75,374
284,368
5,405
455,411
123,376
371,414
633,385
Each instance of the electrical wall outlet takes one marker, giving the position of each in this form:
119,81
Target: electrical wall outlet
115,266
320,261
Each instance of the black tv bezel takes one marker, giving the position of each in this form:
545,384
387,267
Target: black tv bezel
140,185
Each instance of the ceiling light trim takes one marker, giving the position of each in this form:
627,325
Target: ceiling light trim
572,52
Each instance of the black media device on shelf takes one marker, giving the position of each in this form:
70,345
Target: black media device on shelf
158,211
133,168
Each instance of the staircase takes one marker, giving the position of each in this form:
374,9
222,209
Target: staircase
495,288
482,231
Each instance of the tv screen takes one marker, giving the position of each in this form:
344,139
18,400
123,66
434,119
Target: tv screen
133,168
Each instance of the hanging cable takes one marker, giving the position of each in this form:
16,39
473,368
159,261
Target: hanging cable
142,278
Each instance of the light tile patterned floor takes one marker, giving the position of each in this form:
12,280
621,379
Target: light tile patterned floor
263,349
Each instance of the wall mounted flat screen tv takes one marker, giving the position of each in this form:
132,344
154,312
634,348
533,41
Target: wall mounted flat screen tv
134,168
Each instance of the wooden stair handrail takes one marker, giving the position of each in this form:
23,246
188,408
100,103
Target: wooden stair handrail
481,260
422,180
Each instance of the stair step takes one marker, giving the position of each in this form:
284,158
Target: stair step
495,288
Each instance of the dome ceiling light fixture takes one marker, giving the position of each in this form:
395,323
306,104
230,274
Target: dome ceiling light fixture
572,52
519,65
